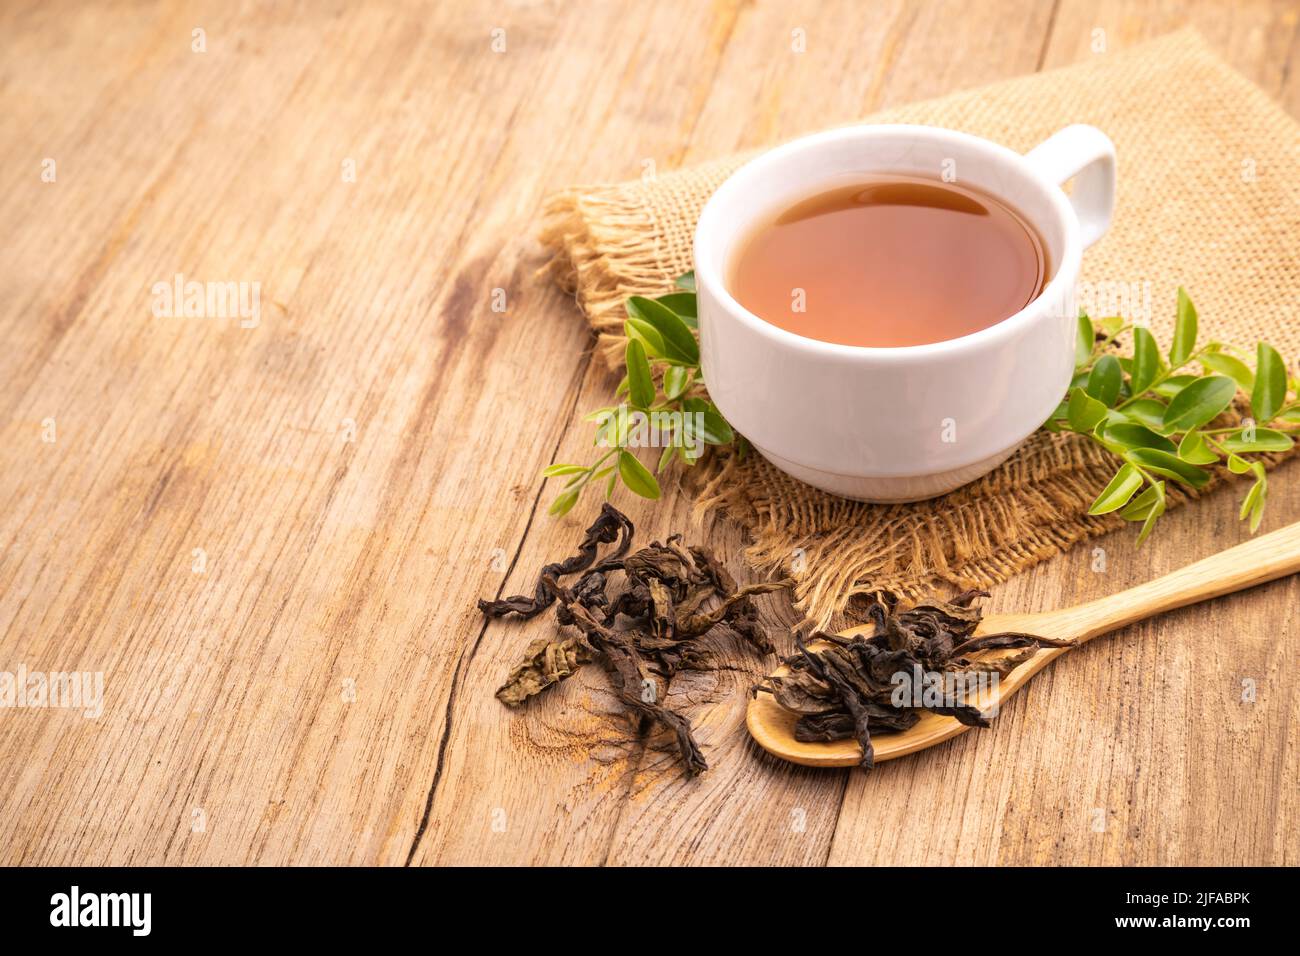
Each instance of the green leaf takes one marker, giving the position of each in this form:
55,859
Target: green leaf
641,386
1140,507
665,457
1257,513
1199,402
620,425
1116,494
554,471
1173,385
684,304
1153,515
1265,439
1269,393
1133,435
646,334
1253,504
1110,325
564,501
678,341
1147,508
1105,379
686,281
1084,411
1193,449
1231,366
1149,412
676,380
1238,466
1170,466
1146,360
718,430
1184,330
609,485
637,476
1084,341
715,430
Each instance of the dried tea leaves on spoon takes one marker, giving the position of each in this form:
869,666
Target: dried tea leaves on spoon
644,615
847,689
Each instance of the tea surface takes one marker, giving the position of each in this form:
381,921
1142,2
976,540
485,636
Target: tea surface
890,261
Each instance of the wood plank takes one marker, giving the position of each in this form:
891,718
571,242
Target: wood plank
1260,38
334,567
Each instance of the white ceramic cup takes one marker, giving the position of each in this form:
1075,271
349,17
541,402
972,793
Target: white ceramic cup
900,424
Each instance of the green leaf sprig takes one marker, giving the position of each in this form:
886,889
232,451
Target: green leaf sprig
663,380
1157,413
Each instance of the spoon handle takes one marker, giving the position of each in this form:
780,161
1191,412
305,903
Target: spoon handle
1270,556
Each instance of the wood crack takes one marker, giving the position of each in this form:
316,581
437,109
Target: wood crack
462,663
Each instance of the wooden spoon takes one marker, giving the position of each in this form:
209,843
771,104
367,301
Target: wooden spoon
1265,558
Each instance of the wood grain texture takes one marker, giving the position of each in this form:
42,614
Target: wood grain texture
350,474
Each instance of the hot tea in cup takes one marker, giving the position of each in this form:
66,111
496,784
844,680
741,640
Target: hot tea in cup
887,311
890,261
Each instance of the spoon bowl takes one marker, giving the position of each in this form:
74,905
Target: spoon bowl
1265,558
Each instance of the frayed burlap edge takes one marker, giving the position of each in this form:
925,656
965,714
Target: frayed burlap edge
600,253
601,258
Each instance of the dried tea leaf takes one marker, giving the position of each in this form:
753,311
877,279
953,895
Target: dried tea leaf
643,626
661,604
699,623
633,685
802,692
657,561
546,663
824,728
1002,666
611,525
988,642
847,689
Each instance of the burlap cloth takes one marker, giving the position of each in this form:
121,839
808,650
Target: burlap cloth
1209,198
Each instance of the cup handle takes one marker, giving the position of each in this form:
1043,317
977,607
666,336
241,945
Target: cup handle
1087,153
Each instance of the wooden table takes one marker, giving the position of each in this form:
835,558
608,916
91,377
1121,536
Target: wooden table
269,539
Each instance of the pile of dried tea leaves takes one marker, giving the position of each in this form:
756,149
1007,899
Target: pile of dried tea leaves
644,615
845,690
